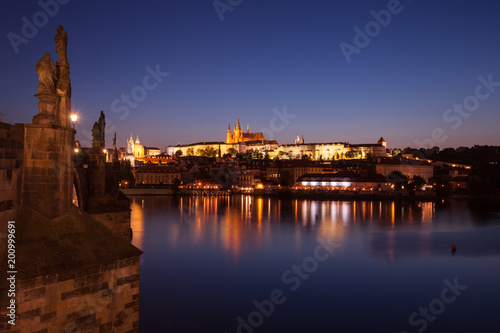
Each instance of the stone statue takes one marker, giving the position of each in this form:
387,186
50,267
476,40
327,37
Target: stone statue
96,137
61,45
63,80
115,151
46,71
102,126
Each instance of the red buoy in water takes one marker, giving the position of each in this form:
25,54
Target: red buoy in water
453,247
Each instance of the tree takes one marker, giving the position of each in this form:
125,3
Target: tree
190,151
285,178
396,152
442,186
479,185
178,153
211,152
415,183
222,178
398,179
126,173
175,185
208,152
232,151
418,181
353,154
257,154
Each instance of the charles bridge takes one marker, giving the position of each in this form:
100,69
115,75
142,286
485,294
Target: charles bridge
75,269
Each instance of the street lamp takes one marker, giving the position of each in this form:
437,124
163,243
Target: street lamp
74,117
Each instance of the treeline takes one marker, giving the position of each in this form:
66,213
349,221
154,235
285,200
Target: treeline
484,176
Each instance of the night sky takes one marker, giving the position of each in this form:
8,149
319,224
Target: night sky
265,56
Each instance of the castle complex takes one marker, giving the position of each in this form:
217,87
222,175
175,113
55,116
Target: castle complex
242,142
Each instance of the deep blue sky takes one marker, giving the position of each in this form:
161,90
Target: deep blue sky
265,55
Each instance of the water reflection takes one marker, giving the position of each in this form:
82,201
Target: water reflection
227,221
239,221
235,249
137,223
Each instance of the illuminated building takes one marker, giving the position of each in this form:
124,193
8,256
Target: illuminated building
238,136
242,142
343,180
156,175
409,168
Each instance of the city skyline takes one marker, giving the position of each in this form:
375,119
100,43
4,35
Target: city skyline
254,60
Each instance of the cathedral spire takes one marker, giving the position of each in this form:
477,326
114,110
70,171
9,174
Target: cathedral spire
248,128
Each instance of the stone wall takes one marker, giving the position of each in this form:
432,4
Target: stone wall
11,159
103,298
48,169
118,222
97,175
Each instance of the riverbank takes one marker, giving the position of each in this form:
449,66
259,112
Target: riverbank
312,195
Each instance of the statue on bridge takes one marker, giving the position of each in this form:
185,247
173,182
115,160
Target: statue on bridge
46,71
98,134
54,88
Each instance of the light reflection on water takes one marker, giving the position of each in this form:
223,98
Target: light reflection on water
233,250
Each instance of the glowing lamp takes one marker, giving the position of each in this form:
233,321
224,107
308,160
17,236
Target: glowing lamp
74,118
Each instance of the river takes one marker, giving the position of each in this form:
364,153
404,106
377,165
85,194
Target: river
249,264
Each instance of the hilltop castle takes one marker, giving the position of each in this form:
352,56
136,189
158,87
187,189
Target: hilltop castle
238,136
241,142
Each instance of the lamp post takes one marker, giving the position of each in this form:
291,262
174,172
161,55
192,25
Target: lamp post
74,118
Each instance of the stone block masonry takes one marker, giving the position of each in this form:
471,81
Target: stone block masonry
73,275
48,169
11,160
117,222
103,298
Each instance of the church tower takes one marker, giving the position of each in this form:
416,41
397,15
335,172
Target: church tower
229,135
238,133
130,145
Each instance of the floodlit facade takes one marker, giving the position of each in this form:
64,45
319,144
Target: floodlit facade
156,175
